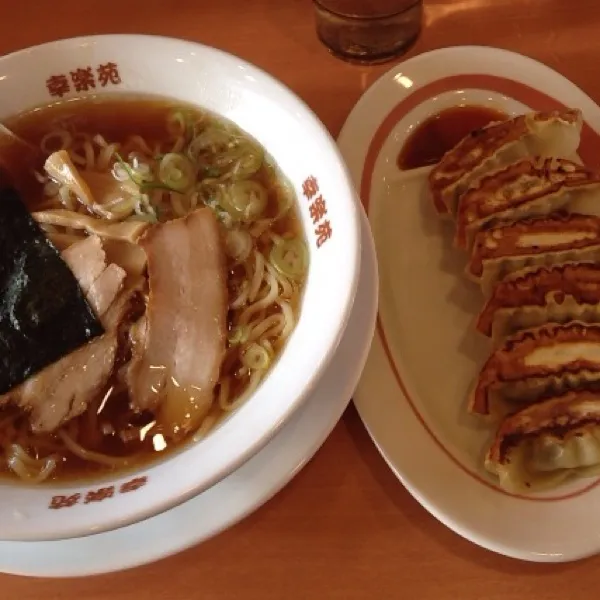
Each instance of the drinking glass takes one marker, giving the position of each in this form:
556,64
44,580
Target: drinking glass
368,31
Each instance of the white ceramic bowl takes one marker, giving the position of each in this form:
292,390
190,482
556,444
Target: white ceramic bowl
302,148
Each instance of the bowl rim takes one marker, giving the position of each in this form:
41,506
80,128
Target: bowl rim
266,433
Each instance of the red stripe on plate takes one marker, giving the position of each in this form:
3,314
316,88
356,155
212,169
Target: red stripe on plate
589,151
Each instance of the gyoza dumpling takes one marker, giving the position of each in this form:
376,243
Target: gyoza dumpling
555,133
548,443
529,188
535,364
532,297
553,240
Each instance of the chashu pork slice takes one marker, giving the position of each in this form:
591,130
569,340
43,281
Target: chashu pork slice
535,364
86,259
64,389
497,145
176,363
553,240
100,282
532,297
548,443
529,188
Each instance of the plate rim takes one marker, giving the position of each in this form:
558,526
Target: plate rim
348,140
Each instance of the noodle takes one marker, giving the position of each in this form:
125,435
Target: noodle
268,300
105,156
194,161
272,326
242,298
27,468
81,452
257,277
55,140
288,314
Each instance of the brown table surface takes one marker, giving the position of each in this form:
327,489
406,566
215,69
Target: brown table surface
345,527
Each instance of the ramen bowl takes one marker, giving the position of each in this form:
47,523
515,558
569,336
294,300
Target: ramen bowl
66,70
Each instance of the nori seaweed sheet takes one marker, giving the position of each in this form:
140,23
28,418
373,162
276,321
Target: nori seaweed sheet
44,314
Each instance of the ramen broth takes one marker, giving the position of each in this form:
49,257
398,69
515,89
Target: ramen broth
110,428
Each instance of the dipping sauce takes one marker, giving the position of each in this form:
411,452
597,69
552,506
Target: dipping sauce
441,132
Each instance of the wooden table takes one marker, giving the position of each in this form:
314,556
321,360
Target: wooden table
344,528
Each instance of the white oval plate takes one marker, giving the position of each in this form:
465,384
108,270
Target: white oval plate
234,497
412,394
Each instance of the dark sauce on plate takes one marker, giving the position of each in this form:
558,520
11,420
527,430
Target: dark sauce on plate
440,132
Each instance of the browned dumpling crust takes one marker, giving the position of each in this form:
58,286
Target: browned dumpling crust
559,231
543,287
545,133
548,443
539,355
531,187
555,239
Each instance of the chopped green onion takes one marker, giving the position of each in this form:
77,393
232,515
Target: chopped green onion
176,123
181,122
244,200
238,244
211,172
139,180
127,168
176,171
290,258
151,185
121,207
238,335
213,139
256,358
246,158
285,199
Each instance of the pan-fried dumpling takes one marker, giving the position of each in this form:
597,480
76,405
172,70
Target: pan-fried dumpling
555,133
529,188
532,297
548,443
534,364
553,240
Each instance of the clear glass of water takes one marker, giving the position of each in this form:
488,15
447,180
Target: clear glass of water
368,31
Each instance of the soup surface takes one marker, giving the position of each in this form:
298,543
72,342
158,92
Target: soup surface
203,264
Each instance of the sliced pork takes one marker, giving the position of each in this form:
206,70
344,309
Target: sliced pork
63,390
105,288
127,255
86,259
129,302
180,349
101,282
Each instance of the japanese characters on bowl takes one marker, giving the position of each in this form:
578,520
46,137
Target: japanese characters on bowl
318,210
526,212
83,79
98,494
